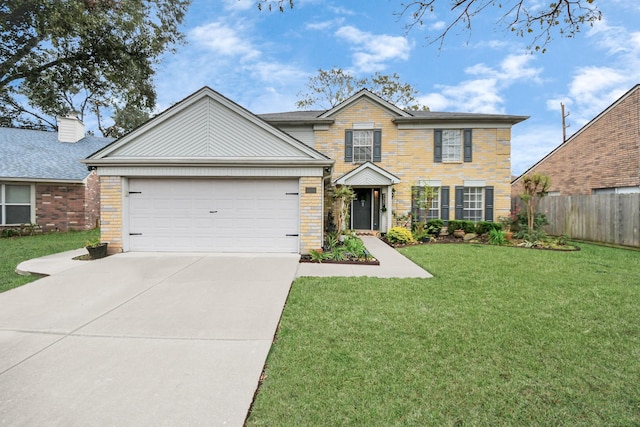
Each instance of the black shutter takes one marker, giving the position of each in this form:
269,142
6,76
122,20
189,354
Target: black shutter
437,146
468,146
348,146
488,203
444,204
459,202
377,145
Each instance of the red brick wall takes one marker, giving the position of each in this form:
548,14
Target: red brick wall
605,154
64,207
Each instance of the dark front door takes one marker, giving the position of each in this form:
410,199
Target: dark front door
361,211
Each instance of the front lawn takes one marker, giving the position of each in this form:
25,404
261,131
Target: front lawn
14,250
500,336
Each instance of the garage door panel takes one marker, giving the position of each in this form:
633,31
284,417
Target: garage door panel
213,215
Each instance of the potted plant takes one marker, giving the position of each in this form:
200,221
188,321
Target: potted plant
96,248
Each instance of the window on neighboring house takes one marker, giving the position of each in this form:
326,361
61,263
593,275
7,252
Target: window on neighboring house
363,146
452,145
15,204
473,203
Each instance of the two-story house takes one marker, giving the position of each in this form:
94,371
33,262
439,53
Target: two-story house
208,175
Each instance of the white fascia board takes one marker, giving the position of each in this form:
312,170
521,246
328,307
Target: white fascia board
453,125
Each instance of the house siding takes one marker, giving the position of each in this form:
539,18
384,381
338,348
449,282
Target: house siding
604,154
408,154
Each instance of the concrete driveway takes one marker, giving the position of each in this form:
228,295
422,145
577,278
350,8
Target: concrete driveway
141,340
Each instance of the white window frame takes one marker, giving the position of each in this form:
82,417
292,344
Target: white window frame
4,203
452,145
434,210
473,200
362,146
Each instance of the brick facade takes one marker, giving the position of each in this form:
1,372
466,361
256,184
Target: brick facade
111,212
64,207
408,154
605,153
311,233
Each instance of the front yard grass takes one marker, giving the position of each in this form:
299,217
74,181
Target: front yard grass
14,250
500,336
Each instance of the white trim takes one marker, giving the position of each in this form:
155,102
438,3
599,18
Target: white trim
475,183
364,126
176,171
430,183
389,179
449,125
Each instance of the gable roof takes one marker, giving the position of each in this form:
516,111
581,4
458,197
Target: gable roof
581,130
402,117
207,127
368,174
34,155
364,94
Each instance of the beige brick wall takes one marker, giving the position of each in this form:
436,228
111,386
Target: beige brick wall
111,212
311,232
408,154
606,154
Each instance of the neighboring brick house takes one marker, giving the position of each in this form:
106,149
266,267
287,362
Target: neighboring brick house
208,175
602,157
42,180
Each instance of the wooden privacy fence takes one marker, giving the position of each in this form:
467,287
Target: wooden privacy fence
608,218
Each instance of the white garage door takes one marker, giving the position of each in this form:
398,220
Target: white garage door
214,215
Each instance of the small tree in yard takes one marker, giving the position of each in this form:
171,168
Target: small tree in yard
342,197
535,187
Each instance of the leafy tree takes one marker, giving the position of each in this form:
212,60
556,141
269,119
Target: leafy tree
525,18
535,187
329,88
82,56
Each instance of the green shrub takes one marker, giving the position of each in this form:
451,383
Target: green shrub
496,237
399,235
485,227
467,226
434,226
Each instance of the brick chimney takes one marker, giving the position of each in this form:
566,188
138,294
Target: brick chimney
70,129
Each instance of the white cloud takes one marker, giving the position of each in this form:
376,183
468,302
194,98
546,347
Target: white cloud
530,142
239,4
483,94
372,51
224,40
324,25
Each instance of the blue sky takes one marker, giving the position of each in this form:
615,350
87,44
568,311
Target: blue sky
263,60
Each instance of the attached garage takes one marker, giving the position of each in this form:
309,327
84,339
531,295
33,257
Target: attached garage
214,215
207,175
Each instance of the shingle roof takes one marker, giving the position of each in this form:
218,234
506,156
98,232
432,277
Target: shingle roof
34,154
416,116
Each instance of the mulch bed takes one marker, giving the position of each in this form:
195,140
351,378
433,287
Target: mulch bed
307,258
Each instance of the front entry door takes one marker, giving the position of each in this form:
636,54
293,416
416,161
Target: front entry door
361,212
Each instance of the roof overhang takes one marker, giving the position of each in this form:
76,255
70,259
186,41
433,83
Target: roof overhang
367,174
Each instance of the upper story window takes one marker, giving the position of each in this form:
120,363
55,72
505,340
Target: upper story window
452,145
15,204
363,145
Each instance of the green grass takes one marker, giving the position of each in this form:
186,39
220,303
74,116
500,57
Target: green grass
17,249
500,336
